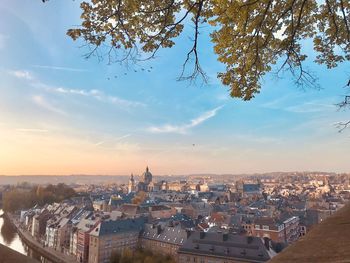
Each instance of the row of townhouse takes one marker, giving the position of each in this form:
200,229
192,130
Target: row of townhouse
184,245
92,237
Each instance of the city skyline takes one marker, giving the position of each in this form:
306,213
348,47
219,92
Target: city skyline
62,114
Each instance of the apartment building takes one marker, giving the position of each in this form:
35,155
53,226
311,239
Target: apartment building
284,231
203,247
114,236
163,238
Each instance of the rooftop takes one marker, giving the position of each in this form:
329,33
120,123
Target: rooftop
226,246
118,226
161,232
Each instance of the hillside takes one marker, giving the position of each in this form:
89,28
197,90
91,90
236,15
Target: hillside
326,242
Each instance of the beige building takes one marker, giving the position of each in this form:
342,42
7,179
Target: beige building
39,224
113,236
196,209
163,238
203,247
286,230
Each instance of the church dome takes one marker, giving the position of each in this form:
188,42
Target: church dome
147,176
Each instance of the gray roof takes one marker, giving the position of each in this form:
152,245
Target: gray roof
167,234
251,188
229,246
118,226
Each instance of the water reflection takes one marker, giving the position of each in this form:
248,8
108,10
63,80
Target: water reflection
10,238
8,233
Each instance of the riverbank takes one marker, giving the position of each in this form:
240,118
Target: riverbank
49,253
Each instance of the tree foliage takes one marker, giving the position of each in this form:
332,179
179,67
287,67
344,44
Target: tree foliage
140,256
19,198
249,36
139,198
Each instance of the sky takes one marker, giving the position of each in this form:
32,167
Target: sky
63,114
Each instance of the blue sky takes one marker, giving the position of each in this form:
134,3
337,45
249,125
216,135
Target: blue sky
63,114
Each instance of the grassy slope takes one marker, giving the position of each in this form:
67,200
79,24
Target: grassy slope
327,242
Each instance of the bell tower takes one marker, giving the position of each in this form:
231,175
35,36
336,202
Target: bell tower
131,186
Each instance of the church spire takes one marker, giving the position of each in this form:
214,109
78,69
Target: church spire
131,185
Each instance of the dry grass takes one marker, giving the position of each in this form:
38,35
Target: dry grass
326,242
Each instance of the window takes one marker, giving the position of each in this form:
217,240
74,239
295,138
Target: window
266,227
257,226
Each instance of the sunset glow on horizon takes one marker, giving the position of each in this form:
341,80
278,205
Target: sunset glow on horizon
61,114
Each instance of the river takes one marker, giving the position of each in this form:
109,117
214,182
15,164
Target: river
10,238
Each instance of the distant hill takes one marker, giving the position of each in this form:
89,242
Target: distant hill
120,179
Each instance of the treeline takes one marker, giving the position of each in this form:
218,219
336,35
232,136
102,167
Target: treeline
140,256
18,198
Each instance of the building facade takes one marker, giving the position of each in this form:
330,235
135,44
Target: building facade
146,183
203,247
163,238
113,236
285,231
131,185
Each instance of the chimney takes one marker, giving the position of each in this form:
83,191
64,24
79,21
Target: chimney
188,233
249,239
201,235
267,243
159,229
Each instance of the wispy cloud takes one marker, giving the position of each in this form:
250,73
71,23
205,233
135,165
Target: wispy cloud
305,107
310,107
182,129
3,40
93,93
60,68
21,74
28,130
112,141
99,143
123,137
43,103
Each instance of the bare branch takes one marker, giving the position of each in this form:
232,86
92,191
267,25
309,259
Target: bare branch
341,126
197,68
